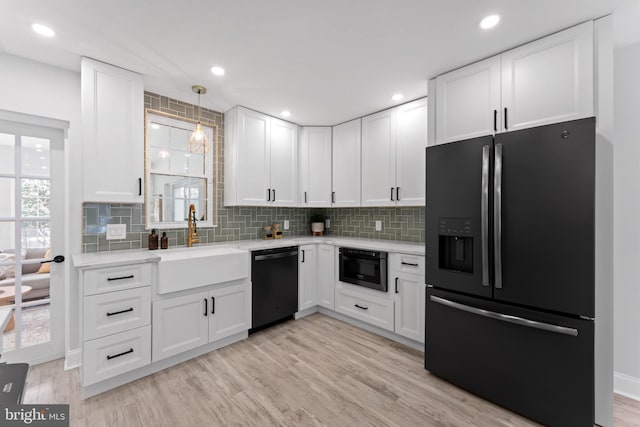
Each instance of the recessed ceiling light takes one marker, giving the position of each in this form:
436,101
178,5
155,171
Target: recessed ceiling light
397,97
489,22
155,126
286,113
43,30
218,71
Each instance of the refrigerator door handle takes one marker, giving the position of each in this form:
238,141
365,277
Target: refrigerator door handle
484,206
497,217
506,318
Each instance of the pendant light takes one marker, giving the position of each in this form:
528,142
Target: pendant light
198,143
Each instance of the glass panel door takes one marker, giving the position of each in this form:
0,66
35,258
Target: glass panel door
31,218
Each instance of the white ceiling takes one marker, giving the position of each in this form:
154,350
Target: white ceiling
326,61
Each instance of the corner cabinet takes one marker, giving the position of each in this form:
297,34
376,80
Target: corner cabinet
346,152
112,102
315,167
261,160
547,81
393,162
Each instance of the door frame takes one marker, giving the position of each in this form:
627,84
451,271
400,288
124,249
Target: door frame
59,322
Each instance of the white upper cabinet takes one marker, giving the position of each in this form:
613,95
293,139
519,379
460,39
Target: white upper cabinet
261,160
315,167
252,173
410,153
549,80
393,156
468,101
346,145
284,163
112,133
379,159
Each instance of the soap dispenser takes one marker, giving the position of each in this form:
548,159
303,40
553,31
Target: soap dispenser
153,240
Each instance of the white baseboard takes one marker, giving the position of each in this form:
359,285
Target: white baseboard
72,359
626,385
303,313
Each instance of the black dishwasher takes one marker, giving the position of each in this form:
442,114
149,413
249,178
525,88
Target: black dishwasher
274,279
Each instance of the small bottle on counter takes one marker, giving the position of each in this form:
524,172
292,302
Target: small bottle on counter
153,240
164,241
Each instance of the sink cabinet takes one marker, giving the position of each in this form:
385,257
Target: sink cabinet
187,322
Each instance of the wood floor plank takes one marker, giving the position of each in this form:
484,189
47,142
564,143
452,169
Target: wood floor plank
316,371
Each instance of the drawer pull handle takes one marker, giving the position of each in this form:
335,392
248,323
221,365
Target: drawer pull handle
120,312
111,279
409,263
120,354
361,307
213,305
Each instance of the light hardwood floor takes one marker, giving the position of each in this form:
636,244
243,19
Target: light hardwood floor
316,371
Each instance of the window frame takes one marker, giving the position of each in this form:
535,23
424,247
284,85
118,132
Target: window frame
210,172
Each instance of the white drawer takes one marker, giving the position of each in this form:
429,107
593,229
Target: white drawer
412,264
117,278
110,356
365,307
113,312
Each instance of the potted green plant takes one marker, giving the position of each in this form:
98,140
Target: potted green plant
317,224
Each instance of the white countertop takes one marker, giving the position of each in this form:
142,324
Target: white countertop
106,259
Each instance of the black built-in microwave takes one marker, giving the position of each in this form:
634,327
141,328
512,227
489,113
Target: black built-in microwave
364,268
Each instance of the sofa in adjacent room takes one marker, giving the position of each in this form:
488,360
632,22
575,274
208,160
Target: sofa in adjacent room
34,275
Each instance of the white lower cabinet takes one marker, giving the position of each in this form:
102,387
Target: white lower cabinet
184,323
326,276
180,324
230,311
307,277
116,354
406,275
360,304
410,303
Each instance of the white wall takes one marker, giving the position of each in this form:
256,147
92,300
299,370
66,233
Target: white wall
33,88
627,220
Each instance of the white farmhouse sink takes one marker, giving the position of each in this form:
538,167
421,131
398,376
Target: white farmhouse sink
189,268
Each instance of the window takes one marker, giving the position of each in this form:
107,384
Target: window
175,177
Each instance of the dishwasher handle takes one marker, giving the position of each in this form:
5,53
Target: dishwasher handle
275,256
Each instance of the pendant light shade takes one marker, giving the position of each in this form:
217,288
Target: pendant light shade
198,143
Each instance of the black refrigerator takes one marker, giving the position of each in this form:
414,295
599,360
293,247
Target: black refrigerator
510,273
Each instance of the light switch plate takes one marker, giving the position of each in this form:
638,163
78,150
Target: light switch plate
378,225
116,231
286,224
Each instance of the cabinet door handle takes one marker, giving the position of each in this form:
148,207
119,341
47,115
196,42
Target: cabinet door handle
206,309
397,286
119,312
397,194
119,354
361,307
505,119
305,197
409,263
302,255
333,197
274,195
392,194
111,279
268,194
213,305
495,120
139,186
